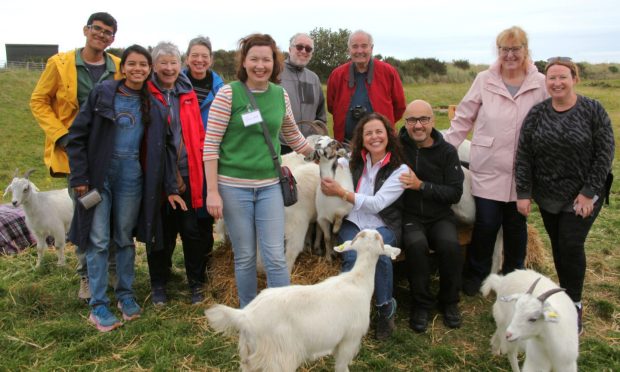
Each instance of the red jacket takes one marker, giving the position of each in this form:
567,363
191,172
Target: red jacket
385,92
193,136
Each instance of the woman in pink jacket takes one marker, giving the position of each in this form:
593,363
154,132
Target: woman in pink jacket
494,107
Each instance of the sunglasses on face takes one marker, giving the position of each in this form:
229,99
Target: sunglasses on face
559,59
301,47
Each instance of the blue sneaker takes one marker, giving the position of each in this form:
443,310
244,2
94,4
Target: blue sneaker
130,308
103,319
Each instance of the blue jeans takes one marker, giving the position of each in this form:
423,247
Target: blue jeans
255,215
490,216
115,218
384,277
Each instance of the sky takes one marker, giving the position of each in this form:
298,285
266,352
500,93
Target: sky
587,31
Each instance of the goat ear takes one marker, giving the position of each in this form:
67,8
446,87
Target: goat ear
550,315
342,152
314,156
393,252
510,298
343,247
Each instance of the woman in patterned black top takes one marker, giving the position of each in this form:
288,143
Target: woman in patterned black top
563,162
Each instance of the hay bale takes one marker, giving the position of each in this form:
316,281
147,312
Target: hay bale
535,257
308,269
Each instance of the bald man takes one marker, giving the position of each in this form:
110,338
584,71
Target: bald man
434,183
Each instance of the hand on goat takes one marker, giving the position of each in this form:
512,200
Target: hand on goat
410,180
524,206
175,199
331,187
583,206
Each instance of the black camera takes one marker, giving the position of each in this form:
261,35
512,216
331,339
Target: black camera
357,112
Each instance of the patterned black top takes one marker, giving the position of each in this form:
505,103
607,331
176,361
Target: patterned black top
563,154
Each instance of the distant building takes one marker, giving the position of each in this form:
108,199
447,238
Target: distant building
30,52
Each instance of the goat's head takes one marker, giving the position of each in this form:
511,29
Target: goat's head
369,241
530,312
20,188
327,149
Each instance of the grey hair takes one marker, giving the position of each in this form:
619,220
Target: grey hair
200,40
362,32
165,48
292,41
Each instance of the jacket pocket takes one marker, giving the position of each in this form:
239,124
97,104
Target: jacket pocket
482,154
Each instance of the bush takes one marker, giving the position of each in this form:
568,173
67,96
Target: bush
463,64
613,69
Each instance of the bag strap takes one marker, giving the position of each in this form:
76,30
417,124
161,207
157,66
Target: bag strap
274,156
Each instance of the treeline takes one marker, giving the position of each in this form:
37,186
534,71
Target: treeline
330,51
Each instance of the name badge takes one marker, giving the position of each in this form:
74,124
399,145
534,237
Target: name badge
251,118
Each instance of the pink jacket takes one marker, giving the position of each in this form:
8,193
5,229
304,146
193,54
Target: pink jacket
496,118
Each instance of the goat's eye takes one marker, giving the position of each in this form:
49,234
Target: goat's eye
27,189
532,320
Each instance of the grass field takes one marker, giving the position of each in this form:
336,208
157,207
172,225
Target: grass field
43,326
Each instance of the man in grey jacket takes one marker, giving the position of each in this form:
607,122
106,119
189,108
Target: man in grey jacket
302,85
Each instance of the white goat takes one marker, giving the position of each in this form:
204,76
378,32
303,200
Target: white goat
282,327
331,209
48,213
529,319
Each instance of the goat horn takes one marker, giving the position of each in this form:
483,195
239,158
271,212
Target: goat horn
546,295
16,174
28,173
531,290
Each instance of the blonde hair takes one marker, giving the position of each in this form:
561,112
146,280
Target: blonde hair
517,34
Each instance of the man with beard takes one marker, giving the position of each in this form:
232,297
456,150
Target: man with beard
433,184
361,86
302,85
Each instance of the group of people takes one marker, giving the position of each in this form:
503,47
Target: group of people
171,148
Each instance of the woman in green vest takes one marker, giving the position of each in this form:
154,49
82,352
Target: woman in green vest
242,182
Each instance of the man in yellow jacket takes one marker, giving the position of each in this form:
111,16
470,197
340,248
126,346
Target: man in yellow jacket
63,86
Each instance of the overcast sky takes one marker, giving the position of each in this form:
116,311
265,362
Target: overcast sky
446,30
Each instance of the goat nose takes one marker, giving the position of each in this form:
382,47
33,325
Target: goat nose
508,335
14,203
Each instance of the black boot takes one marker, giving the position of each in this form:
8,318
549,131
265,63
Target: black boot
385,320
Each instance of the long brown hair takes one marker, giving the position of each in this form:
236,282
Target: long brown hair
253,40
357,142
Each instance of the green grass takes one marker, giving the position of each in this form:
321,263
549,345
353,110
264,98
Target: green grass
44,327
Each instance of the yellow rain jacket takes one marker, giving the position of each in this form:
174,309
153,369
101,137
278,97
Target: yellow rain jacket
54,105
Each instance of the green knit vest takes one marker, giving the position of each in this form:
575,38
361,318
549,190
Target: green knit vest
243,151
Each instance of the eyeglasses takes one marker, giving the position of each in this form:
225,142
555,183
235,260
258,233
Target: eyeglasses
424,120
301,47
514,50
100,30
559,59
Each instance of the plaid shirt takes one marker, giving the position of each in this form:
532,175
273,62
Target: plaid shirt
14,234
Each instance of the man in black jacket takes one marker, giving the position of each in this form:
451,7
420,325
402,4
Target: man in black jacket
434,183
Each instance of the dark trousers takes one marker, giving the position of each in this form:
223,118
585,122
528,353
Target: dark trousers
196,236
490,216
418,241
568,233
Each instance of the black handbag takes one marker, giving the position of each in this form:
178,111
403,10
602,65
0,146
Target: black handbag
288,184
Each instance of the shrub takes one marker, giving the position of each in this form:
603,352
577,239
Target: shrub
463,64
613,69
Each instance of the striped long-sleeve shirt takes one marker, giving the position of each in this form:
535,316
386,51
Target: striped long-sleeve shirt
219,117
